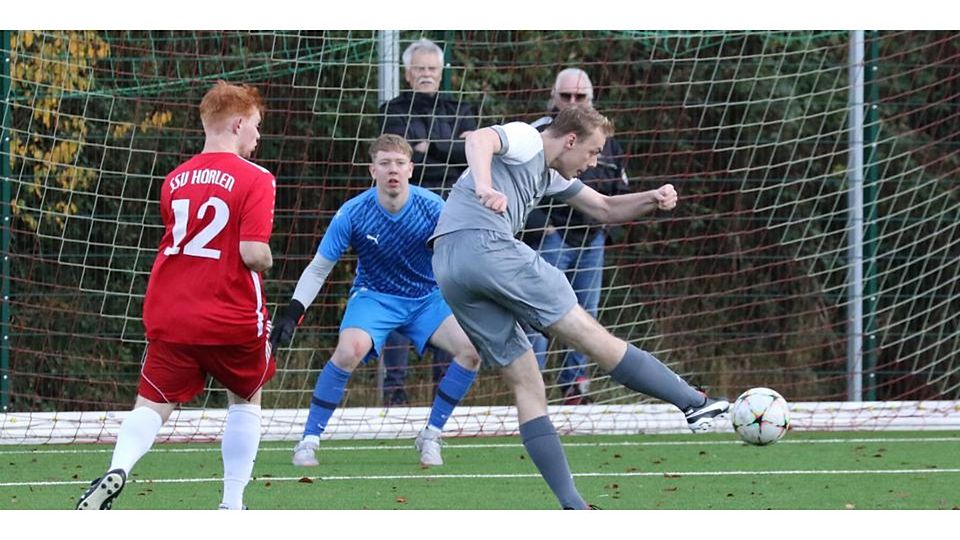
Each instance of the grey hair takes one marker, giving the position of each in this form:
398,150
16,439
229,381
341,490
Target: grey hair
580,74
420,45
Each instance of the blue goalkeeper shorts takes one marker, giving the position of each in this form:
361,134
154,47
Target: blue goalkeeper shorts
378,314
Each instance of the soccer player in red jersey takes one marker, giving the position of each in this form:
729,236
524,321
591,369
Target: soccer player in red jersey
205,308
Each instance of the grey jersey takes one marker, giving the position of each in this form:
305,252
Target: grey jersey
520,172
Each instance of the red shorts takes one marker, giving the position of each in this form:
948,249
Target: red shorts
176,373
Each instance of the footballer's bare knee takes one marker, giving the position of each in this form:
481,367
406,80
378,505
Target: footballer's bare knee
162,409
523,375
349,353
235,399
467,356
524,378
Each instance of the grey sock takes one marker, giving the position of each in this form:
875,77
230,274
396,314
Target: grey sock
642,372
542,443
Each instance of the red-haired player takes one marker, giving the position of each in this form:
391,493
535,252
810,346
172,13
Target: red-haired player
205,309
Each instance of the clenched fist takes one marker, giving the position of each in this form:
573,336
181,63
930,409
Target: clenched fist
666,197
492,199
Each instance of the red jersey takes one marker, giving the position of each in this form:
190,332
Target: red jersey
200,291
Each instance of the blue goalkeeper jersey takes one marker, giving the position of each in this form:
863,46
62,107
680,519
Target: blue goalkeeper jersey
392,253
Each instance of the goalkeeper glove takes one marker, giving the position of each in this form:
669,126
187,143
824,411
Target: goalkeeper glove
285,326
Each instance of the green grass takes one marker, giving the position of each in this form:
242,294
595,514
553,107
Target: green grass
892,470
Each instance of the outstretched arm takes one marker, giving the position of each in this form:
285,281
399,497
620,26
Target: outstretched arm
308,286
335,241
312,280
619,208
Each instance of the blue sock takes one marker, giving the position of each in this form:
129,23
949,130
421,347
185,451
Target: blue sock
454,385
326,398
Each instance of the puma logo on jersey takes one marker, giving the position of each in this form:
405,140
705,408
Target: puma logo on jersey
374,239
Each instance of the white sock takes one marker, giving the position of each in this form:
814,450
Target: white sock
434,430
137,433
241,438
315,439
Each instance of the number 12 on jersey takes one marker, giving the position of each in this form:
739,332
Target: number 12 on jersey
196,247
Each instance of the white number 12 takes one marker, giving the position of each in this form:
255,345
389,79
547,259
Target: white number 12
197,245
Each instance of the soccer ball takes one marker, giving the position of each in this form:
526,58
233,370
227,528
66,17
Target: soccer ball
760,416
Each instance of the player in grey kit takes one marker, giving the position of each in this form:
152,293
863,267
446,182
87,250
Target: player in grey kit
493,282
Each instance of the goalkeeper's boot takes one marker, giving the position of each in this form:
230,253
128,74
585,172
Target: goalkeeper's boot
102,491
428,444
225,507
305,453
702,418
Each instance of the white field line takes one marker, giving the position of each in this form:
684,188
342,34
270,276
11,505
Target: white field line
406,445
670,474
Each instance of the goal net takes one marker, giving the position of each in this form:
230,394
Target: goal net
764,275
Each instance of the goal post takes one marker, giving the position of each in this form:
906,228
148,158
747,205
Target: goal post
748,282
5,226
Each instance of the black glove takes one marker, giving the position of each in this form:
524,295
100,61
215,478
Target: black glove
283,329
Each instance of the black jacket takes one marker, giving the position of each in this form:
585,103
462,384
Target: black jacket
608,177
438,119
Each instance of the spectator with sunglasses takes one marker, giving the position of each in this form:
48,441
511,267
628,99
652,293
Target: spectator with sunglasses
570,240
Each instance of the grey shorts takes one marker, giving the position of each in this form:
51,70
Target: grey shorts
492,283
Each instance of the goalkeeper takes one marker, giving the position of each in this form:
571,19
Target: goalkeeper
388,227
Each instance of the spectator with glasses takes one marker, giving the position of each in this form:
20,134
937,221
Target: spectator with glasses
570,240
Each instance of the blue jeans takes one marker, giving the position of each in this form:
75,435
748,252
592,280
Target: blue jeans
584,269
396,354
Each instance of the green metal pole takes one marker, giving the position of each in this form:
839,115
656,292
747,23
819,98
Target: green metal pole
871,188
5,85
